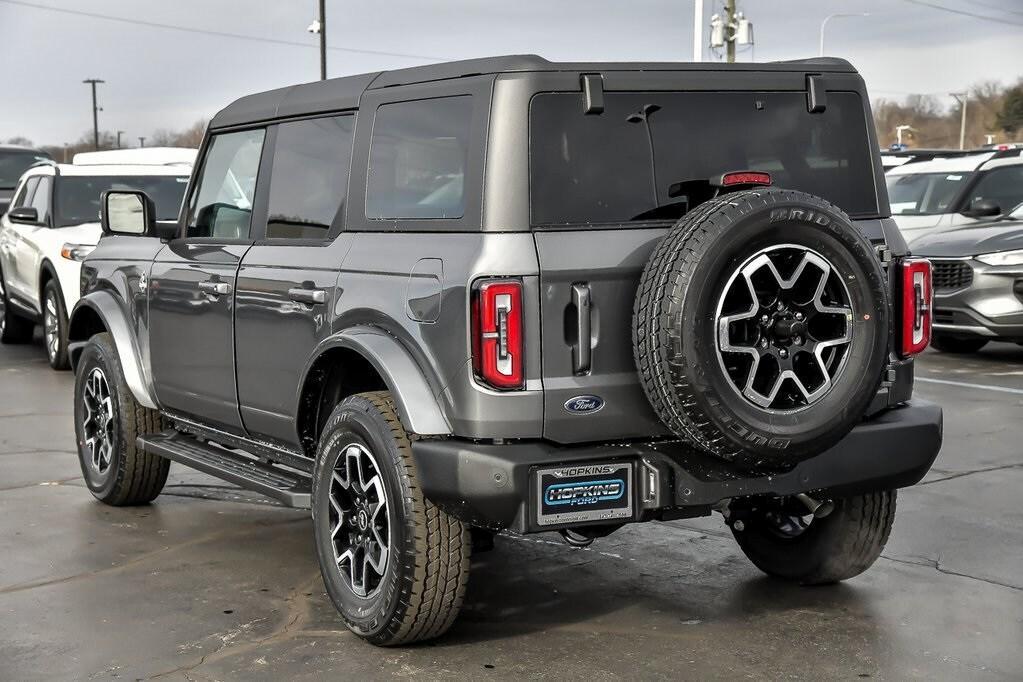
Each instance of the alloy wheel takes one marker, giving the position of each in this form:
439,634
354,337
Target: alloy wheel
784,328
51,326
359,521
98,421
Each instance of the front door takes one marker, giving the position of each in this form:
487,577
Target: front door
287,279
192,286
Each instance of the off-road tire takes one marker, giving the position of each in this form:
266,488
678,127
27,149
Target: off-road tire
133,477
13,327
952,344
57,356
427,571
840,546
674,326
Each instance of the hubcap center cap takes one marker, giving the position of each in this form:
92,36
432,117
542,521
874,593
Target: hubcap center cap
363,519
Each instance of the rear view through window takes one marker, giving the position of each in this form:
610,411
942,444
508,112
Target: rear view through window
618,166
925,193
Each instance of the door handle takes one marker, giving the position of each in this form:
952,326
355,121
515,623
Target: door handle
310,296
215,288
582,352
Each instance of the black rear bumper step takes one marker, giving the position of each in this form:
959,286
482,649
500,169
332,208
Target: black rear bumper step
289,488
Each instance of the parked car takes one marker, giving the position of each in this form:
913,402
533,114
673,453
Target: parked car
978,283
15,160
942,194
436,303
53,223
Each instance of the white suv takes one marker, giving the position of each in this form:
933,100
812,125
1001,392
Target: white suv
942,194
53,223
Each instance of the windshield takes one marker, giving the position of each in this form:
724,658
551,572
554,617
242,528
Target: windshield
620,165
14,163
77,199
925,193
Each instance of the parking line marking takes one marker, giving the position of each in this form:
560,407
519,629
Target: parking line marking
964,384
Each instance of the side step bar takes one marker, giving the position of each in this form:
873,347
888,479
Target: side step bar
287,487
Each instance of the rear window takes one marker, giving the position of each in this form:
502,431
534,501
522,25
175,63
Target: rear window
77,198
618,166
14,163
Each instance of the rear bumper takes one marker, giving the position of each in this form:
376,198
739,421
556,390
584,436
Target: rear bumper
489,485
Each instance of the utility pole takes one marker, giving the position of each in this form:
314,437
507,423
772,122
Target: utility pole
95,112
730,30
697,30
962,98
142,141
119,133
323,40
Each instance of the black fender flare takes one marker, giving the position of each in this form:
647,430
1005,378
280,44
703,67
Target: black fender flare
110,311
415,401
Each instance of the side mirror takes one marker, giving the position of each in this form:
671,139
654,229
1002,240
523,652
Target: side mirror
132,212
27,215
983,208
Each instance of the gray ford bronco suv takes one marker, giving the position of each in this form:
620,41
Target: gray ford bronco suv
508,294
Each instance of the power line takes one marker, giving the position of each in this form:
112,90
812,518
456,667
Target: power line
219,34
994,7
964,13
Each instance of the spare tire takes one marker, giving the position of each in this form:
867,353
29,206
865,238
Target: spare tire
760,326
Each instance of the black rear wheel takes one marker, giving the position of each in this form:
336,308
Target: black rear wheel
952,344
785,541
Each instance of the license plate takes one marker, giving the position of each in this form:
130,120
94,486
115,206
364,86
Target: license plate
581,493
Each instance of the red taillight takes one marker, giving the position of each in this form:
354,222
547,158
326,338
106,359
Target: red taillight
745,178
916,305
497,333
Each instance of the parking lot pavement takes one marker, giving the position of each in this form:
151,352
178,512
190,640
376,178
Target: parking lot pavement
211,582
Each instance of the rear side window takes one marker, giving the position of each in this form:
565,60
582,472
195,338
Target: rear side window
618,166
309,180
417,159
222,206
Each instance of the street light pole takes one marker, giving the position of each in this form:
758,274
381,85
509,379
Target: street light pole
962,98
142,141
95,110
697,30
119,133
837,16
323,40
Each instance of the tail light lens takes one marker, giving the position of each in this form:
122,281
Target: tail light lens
916,305
497,334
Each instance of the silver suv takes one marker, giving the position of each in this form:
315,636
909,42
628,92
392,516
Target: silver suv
509,294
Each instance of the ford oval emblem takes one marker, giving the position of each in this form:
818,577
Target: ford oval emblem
582,404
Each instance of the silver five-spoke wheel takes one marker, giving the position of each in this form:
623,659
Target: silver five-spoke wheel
98,422
784,327
51,326
360,529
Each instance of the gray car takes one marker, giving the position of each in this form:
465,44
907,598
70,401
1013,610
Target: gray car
513,295
978,284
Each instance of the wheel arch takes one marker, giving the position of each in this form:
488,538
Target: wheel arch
99,312
372,360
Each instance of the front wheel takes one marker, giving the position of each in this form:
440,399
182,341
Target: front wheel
952,344
784,541
395,566
55,326
107,421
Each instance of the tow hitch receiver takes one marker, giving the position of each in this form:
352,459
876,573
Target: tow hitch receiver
582,493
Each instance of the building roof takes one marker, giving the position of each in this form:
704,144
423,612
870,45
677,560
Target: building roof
344,93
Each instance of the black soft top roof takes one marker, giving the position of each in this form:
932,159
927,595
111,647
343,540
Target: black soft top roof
344,93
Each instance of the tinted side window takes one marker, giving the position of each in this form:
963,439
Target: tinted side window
41,200
417,159
309,180
222,205
1004,186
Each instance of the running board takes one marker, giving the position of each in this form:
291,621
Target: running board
288,487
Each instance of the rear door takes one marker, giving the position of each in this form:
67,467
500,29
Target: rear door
192,285
286,281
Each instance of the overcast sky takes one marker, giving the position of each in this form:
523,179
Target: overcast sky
163,78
